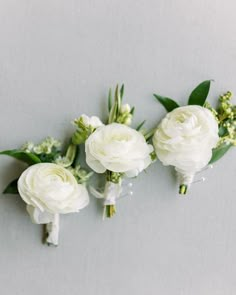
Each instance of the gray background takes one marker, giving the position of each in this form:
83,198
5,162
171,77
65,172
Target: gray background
57,60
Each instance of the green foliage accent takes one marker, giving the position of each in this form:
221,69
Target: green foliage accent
71,153
149,134
122,89
115,107
118,100
222,131
132,110
26,157
153,156
200,93
168,103
69,158
140,125
11,188
79,136
219,152
109,100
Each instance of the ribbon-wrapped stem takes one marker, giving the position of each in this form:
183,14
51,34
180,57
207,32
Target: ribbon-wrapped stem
52,231
185,180
50,220
111,193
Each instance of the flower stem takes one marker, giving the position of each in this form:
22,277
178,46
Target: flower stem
183,189
110,210
115,177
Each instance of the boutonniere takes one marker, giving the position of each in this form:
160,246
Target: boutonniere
115,149
194,136
52,183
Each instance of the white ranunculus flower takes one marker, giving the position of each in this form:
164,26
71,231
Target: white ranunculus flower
118,148
52,188
185,138
93,121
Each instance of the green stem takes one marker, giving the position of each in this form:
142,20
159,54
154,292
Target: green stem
115,177
110,211
183,189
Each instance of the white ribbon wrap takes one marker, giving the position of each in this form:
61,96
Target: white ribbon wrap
112,192
51,221
185,178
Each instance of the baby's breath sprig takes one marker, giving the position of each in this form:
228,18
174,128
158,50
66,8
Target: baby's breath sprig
225,115
47,150
81,175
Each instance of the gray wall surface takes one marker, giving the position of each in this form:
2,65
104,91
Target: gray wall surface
57,60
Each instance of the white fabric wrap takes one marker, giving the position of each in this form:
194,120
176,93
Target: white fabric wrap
51,221
111,193
185,178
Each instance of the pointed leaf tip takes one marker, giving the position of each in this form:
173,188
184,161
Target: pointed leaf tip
23,156
199,94
219,152
168,103
11,188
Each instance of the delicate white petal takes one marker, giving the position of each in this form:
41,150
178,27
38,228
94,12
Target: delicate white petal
118,148
185,138
51,189
39,217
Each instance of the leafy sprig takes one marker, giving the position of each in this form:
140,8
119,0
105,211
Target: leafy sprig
225,115
48,151
197,97
118,112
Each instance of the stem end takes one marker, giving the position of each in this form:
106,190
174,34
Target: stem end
183,189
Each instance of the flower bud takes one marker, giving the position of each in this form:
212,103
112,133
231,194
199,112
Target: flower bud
79,137
125,108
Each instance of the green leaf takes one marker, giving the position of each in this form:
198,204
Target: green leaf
23,156
11,188
122,91
168,103
222,131
113,112
219,152
140,125
70,154
132,110
79,137
118,100
109,100
200,93
149,134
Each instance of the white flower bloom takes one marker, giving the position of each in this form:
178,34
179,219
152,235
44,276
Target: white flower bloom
125,108
93,121
118,148
185,138
52,188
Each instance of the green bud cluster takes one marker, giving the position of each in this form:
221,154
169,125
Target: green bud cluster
118,112
226,117
114,176
82,132
47,146
81,175
125,116
210,108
